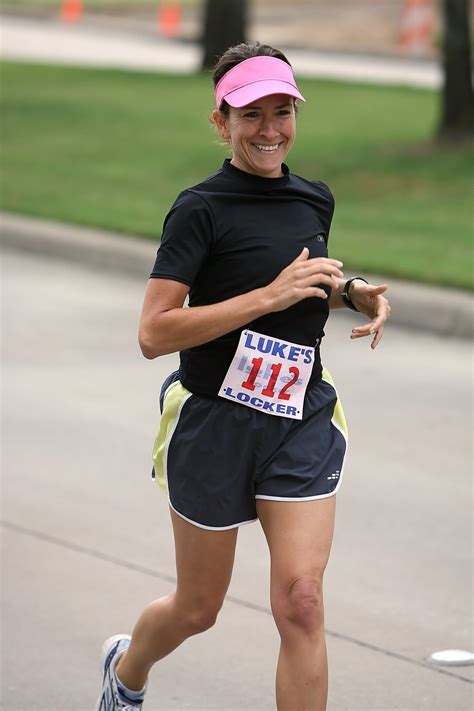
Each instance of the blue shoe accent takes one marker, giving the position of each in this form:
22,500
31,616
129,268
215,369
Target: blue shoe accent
114,696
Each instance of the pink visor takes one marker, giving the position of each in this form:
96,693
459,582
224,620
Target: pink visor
255,78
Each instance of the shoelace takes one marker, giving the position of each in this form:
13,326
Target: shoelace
124,706
129,707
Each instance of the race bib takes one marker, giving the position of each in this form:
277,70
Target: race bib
269,375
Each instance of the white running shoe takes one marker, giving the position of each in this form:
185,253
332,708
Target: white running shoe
113,696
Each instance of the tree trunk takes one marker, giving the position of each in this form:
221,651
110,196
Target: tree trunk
225,24
457,109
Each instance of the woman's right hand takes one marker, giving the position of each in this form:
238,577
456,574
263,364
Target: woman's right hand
299,279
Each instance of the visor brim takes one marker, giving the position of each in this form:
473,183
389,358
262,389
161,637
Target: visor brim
245,95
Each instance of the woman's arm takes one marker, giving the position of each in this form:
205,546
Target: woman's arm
167,327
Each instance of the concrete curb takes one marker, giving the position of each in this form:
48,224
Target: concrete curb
445,312
96,248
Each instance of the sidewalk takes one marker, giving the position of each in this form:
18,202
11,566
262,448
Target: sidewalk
94,44
445,312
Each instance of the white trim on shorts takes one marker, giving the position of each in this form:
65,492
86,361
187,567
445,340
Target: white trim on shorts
298,498
210,528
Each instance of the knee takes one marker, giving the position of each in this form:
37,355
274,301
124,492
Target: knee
200,616
300,606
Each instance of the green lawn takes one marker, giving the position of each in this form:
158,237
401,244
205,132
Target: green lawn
113,149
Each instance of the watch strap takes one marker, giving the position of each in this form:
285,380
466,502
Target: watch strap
345,293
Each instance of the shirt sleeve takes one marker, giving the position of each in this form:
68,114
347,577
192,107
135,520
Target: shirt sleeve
187,239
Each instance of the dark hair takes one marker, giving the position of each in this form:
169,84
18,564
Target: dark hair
235,55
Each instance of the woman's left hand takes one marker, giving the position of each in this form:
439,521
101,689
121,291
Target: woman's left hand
369,301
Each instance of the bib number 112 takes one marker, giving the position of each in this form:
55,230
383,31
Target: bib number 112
269,390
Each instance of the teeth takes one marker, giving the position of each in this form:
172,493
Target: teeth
268,149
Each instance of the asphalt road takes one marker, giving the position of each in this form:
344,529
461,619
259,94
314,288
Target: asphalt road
87,536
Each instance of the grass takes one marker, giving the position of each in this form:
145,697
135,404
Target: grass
112,149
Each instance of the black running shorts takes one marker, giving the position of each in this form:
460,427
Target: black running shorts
213,457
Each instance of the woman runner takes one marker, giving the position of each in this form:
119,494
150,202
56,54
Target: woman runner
251,427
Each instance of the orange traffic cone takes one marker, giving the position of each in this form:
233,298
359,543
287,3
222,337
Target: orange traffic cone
71,10
169,18
417,25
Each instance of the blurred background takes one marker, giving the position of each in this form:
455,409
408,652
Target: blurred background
375,26
394,144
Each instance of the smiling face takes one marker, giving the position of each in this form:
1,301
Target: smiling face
261,134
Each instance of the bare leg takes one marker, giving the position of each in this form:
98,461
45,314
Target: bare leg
299,536
204,561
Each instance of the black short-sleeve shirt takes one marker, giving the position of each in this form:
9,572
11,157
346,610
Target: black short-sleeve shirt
233,233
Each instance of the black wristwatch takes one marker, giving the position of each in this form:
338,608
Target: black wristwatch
345,293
